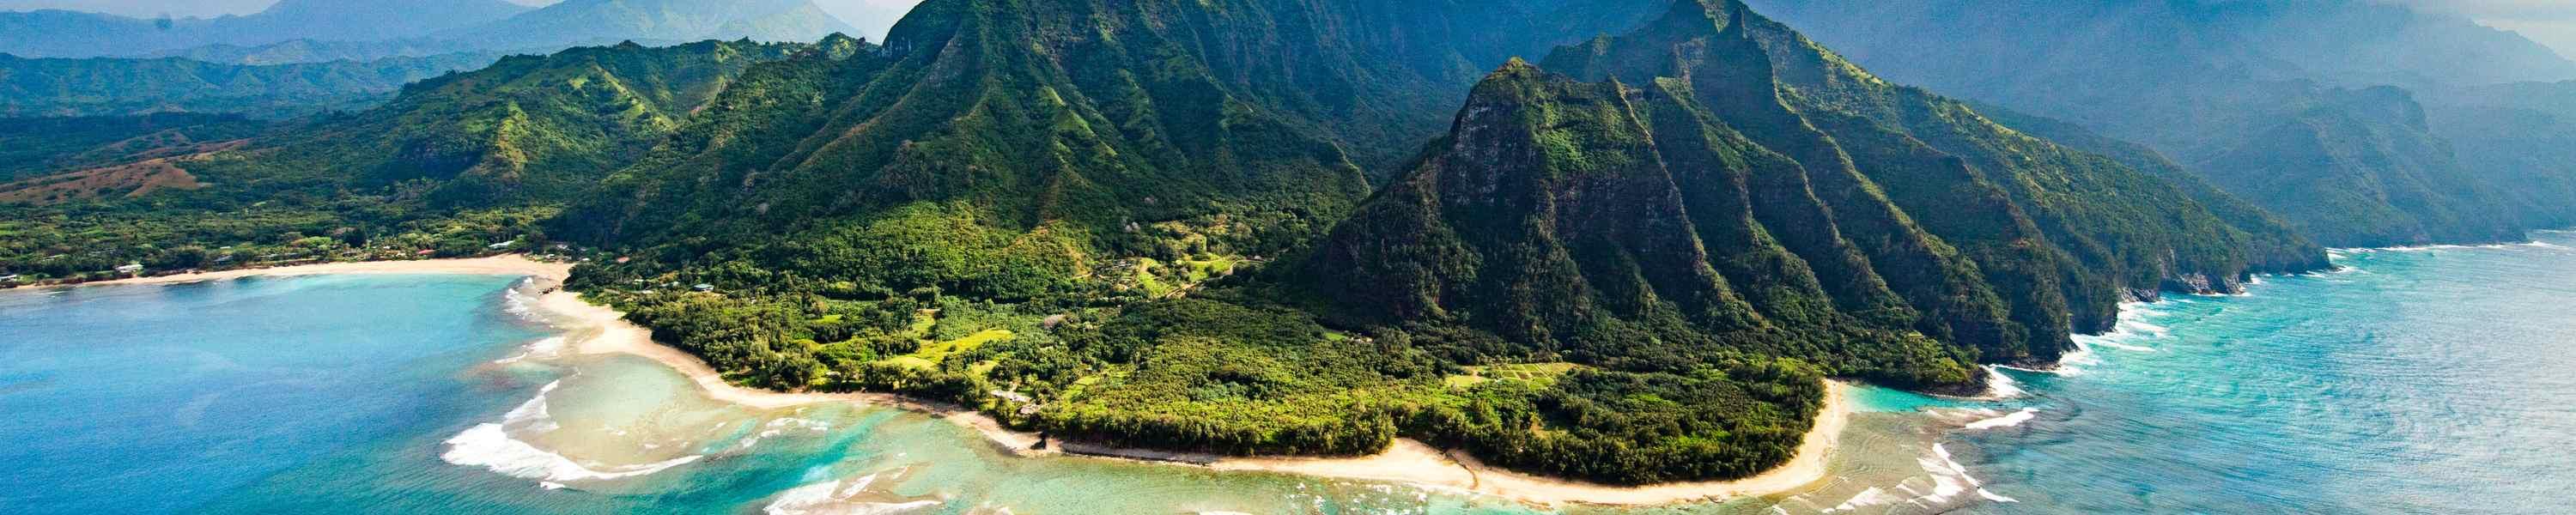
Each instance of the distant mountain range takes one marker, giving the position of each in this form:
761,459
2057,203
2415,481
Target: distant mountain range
114,86
314,30
2313,109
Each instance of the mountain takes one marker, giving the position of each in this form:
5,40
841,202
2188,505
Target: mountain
1077,123
452,164
2233,89
55,33
2519,138
114,86
298,31
585,21
526,129
1244,226
1736,187
2363,168
37,146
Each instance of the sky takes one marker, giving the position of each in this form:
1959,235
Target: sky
872,17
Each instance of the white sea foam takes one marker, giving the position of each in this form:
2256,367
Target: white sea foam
1949,479
2113,343
2000,385
2009,420
1872,497
491,446
545,349
517,301
834,497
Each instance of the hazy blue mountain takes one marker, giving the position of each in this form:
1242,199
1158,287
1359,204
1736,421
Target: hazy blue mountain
116,86
2520,137
297,31
2239,91
584,21
56,33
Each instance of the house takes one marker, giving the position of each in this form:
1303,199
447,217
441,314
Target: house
501,245
11,278
704,287
130,269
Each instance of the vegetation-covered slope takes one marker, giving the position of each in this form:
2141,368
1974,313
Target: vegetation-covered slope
451,165
2059,236
1078,125
36,146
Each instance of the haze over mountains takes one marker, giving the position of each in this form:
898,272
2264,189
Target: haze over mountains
2316,110
361,30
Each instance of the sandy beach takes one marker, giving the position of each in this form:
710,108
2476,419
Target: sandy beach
1415,463
597,329
1407,461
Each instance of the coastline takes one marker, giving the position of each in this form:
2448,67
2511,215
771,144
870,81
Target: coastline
599,330
511,264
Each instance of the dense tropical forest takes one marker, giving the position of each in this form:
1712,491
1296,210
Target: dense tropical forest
1233,227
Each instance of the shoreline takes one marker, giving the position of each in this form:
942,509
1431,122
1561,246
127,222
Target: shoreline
509,264
603,330
600,330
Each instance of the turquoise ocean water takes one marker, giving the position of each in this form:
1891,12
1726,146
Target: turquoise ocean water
2428,380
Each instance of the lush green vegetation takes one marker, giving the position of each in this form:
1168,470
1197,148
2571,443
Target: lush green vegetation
1152,223
36,146
456,165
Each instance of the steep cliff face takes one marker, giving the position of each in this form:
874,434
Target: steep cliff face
1733,185
1580,221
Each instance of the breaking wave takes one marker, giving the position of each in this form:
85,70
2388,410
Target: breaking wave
491,446
837,497
2009,420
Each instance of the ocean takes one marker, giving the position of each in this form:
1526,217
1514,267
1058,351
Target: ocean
2418,380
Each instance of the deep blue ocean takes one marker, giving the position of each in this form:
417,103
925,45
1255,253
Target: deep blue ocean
2438,380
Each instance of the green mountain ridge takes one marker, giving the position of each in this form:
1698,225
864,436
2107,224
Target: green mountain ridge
452,164
1826,255
1255,112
